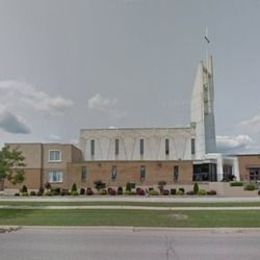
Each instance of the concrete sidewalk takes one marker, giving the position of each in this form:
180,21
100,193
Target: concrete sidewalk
118,207
168,199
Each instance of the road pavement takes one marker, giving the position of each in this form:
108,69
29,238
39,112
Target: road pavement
128,244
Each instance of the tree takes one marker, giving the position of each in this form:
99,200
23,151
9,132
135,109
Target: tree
11,165
74,187
196,188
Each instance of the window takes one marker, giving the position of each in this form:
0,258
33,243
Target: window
92,147
114,173
193,146
142,173
117,147
55,177
205,172
141,146
167,146
254,174
54,156
83,173
175,173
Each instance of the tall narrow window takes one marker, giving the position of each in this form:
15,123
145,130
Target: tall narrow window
142,173
83,173
117,147
175,173
92,147
193,146
167,146
114,173
141,146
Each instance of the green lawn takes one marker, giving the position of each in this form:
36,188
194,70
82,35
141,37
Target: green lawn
124,203
83,217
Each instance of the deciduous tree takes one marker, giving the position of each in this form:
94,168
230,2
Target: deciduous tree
11,165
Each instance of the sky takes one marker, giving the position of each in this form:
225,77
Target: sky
67,65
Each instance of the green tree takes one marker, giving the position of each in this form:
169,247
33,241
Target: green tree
74,187
196,188
11,165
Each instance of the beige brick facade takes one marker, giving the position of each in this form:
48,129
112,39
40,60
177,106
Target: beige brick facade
247,162
129,171
114,173
38,163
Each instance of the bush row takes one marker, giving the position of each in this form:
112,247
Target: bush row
110,191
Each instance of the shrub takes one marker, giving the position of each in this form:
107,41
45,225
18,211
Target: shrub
196,188
74,193
212,192
120,191
140,192
250,186
150,188
24,194
202,192
64,192
236,184
17,194
47,186
102,192
82,191
161,185
89,192
128,186
180,192
32,193
55,192
99,185
166,192
173,191
111,191
40,191
182,189
74,187
153,193
191,192
23,189
259,192
48,193
132,184
128,193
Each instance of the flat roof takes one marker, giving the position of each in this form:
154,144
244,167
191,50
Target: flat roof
136,128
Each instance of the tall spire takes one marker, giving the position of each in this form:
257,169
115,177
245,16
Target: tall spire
206,37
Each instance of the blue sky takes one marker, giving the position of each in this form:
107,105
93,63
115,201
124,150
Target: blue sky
67,65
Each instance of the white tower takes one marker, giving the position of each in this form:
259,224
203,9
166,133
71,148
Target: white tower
202,110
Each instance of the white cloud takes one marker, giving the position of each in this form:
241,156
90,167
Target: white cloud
105,105
12,123
251,125
101,103
233,143
15,92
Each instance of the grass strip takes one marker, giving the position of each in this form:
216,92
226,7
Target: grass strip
136,218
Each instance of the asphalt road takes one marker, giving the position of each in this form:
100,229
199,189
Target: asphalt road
126,244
